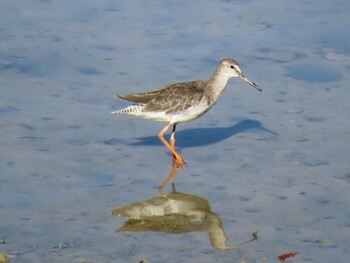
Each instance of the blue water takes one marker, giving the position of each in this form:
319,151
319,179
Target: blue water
276,161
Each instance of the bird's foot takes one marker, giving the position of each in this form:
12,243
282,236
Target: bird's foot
178,162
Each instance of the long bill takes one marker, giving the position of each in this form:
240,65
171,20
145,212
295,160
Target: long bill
246,79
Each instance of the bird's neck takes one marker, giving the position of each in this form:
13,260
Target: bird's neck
217,84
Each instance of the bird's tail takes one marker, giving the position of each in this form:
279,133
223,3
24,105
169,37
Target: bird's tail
132,109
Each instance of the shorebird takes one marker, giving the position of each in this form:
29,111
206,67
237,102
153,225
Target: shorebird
184,101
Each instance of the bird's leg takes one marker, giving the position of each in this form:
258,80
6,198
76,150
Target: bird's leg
172,139
172,143
178,159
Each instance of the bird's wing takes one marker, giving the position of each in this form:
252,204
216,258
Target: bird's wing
139,98
176,97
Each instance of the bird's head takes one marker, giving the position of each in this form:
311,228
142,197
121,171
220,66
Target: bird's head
230,68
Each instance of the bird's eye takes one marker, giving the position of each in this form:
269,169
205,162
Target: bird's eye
232,66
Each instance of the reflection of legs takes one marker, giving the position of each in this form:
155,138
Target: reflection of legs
254,237
176,155
175,168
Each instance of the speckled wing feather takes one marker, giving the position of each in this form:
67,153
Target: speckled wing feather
176,97
139,98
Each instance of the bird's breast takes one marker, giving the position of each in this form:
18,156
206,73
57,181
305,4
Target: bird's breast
191,113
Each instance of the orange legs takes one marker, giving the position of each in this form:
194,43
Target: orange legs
172,140
176,156
178,161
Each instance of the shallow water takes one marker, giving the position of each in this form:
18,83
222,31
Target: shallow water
274,162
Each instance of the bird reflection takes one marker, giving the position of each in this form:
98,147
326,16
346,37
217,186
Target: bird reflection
176,213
